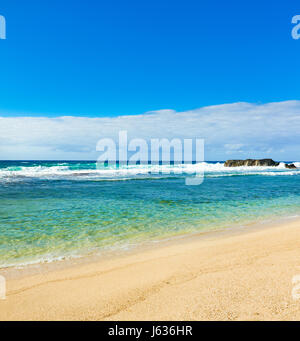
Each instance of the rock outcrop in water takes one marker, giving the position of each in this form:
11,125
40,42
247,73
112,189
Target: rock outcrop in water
290,166
251,163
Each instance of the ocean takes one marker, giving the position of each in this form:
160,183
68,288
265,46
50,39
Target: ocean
52,210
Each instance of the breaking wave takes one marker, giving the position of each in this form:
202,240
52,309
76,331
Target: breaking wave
92,171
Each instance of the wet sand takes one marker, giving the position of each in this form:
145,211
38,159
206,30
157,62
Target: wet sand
245,275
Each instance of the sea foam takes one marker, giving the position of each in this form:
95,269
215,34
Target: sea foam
91,171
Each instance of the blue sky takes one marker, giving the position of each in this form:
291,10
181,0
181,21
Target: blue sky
115,57
110,59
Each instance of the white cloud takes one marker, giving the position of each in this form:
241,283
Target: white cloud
239,129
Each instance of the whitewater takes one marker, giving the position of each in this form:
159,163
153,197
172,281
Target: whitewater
18,171
53,210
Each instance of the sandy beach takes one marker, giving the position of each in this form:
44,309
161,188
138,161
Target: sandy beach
244,275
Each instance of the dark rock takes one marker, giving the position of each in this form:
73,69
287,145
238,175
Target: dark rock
251,163
290,166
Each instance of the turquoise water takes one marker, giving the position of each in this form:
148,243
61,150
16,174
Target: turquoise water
53,210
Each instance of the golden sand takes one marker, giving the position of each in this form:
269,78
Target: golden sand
240,276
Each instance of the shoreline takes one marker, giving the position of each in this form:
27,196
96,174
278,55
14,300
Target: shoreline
234,274
41,267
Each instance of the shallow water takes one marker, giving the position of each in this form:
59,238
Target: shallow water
53,210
